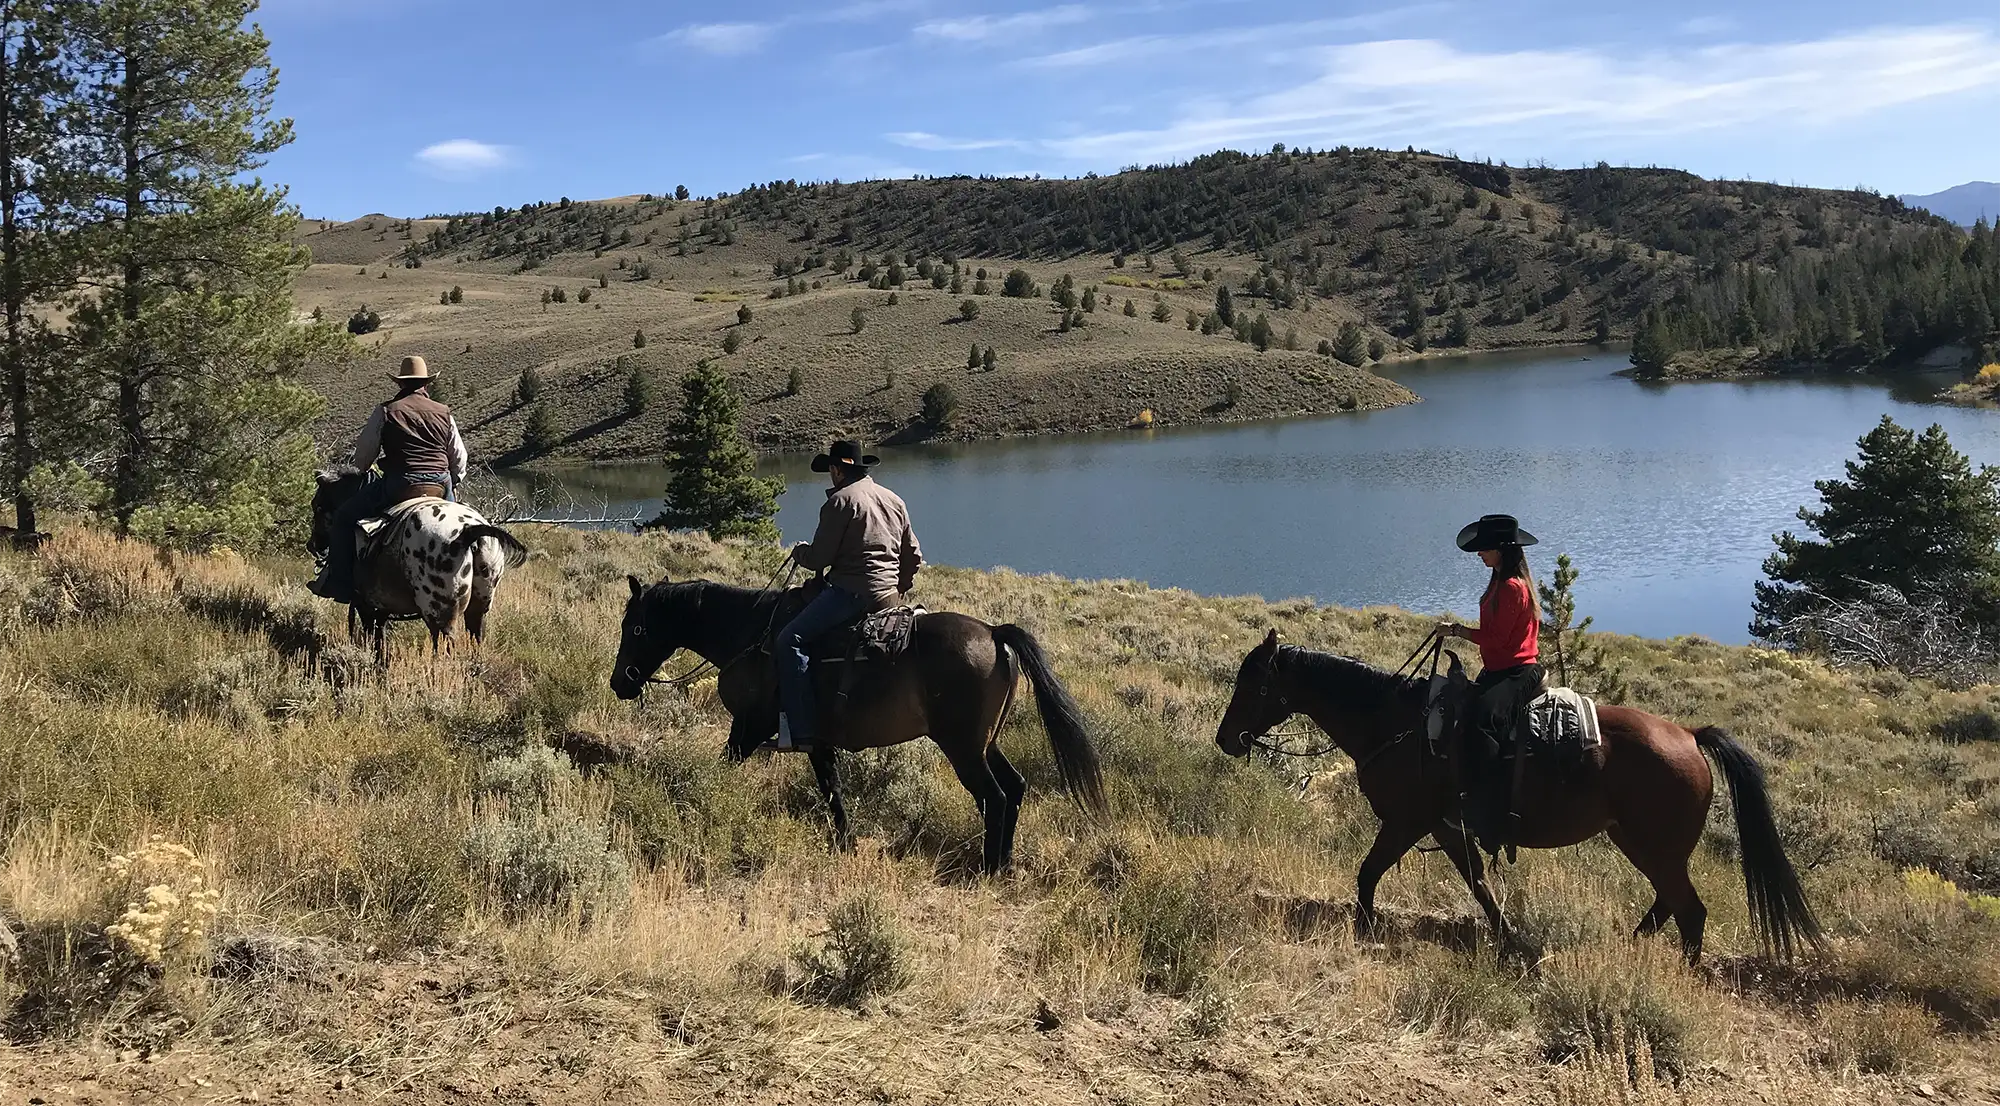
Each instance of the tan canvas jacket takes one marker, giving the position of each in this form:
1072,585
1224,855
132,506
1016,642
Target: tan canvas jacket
864,540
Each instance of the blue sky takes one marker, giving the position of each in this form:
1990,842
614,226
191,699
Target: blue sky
416,106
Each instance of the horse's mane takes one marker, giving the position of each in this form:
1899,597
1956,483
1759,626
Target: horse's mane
690,596
1342,677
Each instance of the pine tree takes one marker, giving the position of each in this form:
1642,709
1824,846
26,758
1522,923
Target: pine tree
1580,662
1459,331
856,319
712,483
968,310
638,391
972,358
1225,307
795,381
541,433
188,345
31,269
1912,514
990,360
940,405
1352,345
528,388
744,315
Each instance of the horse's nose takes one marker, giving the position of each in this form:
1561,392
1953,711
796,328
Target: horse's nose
632,673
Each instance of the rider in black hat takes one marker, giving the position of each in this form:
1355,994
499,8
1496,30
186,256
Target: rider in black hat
865,543
1508,636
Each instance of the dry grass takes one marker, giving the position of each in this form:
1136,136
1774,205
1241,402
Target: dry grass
419,894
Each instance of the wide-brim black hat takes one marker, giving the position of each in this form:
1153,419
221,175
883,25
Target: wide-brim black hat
846,453
1492,532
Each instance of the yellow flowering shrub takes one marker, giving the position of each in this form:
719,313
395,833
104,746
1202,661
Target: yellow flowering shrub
1989,373
169,905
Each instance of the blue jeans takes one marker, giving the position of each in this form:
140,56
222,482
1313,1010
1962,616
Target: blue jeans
830,610
376,494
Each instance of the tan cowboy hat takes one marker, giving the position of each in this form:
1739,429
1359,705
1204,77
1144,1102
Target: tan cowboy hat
414,369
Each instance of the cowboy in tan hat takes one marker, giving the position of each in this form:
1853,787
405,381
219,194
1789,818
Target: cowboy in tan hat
422,454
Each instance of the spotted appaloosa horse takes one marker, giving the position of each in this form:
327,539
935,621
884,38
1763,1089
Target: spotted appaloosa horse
440,562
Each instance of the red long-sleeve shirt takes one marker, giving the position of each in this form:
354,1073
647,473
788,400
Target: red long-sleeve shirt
1508,634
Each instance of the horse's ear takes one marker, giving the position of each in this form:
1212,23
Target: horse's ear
637,587
1271,639
1456,669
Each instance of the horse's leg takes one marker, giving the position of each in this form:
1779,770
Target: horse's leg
970,763
1015,788
1673,891
744,737
1464,855
1391,842
828,774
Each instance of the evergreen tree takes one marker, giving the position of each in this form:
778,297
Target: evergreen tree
1912,514
972,358
1352,346
795,381
732,341
1652,346
1131,310
940,405
1459,331
856,319
638,339
1225,307
32,270
638,391
968,310
187,347
712,483
744,315
528,388
990,360
541,433
1260,332
1161,312
1580,662
1090,300
1018,284
1376,348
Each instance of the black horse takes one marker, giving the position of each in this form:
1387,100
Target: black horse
954,684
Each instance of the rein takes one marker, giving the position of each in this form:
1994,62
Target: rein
687,679
1433,644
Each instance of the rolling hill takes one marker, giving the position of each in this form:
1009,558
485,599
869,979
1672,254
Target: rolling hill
1420,253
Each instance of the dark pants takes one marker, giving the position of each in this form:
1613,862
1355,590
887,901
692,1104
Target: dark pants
831,609
375,496
1500,698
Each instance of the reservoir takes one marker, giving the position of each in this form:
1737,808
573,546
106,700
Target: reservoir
1664,496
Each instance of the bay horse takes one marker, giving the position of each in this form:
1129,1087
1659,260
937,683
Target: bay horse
1647,787
441,562
955,684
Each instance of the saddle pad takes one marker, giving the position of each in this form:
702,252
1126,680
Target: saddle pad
374,525
1561,716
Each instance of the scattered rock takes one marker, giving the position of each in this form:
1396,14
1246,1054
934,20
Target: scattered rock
275,956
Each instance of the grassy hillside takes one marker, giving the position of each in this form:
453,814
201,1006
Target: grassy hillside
1484,256
419,895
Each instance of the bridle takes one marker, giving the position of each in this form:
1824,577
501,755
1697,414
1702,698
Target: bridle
1433,645
687,679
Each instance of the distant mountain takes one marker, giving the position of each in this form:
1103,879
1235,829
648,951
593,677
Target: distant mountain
1964,204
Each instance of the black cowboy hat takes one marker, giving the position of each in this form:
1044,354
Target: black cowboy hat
1492,532
846,453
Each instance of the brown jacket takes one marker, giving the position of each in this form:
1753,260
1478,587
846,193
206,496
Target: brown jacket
864,539
412,433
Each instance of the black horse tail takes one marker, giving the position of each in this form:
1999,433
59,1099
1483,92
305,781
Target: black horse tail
1778,907
1076,760
516,553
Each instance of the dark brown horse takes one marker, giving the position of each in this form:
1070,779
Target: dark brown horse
954,684
1647,787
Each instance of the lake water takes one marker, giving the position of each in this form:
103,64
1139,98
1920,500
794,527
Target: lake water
1664,496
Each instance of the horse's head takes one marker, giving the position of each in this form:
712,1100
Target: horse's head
1258,703
643,644
332,488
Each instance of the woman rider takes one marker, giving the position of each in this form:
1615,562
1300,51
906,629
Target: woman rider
1508,636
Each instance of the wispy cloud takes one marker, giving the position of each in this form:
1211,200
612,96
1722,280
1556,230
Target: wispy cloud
924,140
985,28
722,39
463,157
1290,35
1434,93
